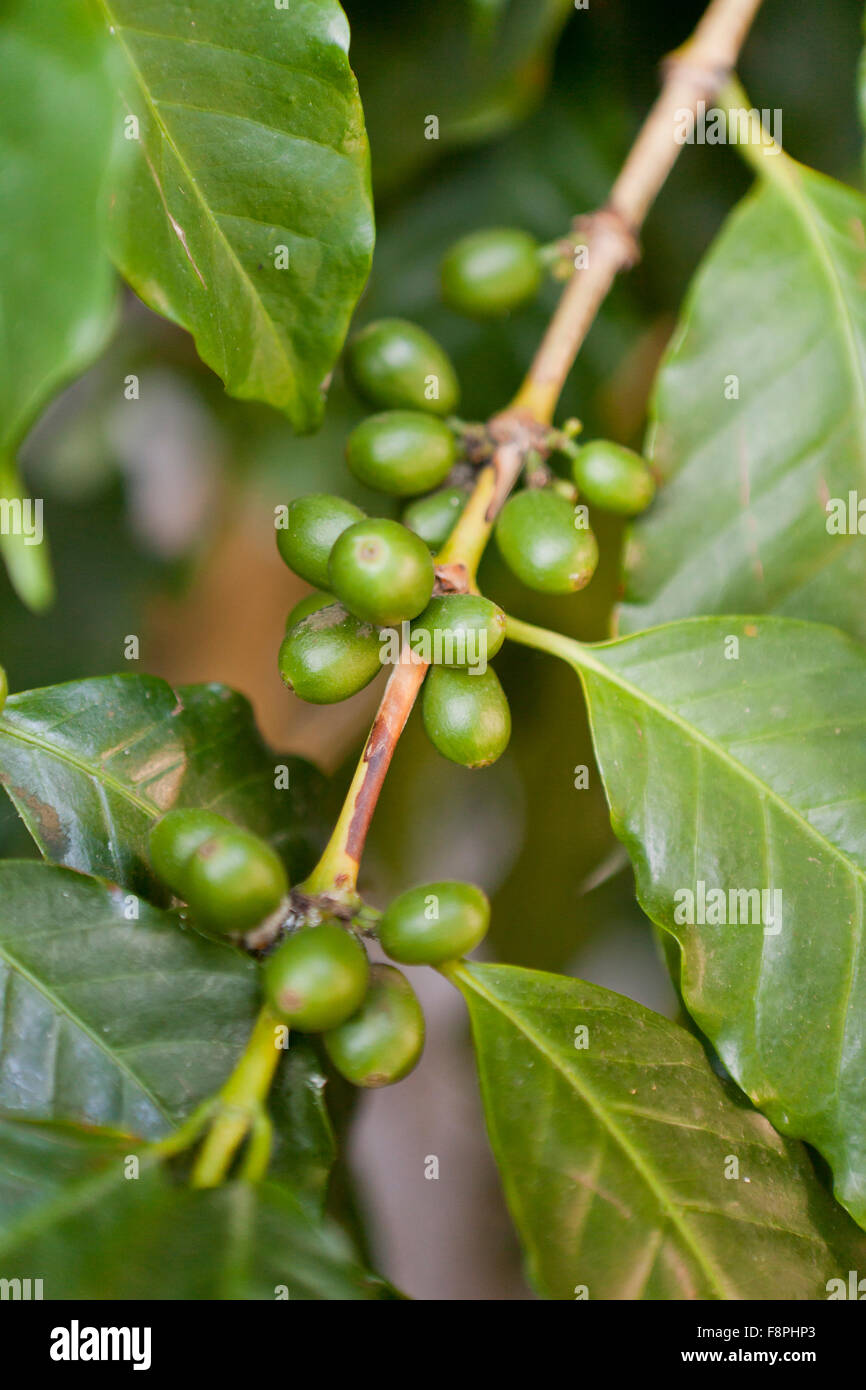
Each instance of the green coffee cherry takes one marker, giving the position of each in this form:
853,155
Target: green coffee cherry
466,716
383,1041
311,604
402,452
315,522
486,274
396,365
613,477
175,838
317,977
434,923
4,688
329,655
433,518
539,541
233,880
458,630
381,572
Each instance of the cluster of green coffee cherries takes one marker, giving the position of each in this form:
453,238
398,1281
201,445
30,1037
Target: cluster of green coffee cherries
318,978
374,573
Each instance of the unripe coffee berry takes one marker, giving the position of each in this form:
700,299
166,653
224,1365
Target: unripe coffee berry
434,923
458,630
613,477
433,518
401,452
329,655
314,523
395,365
175,838
466,716
488,273
233,880
311,604
541,544
384,1039
317,977
381,572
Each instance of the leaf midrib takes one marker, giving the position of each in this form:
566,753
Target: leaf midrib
582,660
64,1009
105,779
72,1198
764,791
645,1169
217,231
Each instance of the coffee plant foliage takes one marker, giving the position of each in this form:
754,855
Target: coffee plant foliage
669,748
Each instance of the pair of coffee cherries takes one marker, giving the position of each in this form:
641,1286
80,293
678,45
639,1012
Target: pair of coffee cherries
318,979
410,448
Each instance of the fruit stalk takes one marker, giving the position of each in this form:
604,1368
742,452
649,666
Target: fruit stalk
239,1103
336,873
698,70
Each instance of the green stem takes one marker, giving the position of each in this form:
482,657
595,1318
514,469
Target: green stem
239,1103
258,1154
187,1133
759,149
543,640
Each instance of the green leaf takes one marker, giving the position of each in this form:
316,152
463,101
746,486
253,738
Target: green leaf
70,1210
304,1147
733,756
37,1159
130,1022
57,294
107,1019
740,524
250,139
91,764
615,1150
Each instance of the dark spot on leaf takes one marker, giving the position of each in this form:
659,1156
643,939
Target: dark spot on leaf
45,818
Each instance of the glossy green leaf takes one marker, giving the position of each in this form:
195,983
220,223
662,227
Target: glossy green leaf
777,313
241,205
304,1147
70,1210
112,1020
91,764
733,756
56,284
617,1145
108,1019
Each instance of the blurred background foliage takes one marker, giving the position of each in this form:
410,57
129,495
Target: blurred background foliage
160,510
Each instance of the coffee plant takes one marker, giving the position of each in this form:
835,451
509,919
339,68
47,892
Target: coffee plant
200,978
